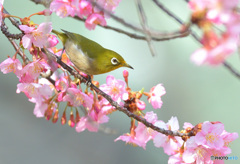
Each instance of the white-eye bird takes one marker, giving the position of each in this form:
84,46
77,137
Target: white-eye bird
88,56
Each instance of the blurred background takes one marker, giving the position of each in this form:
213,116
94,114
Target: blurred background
194,94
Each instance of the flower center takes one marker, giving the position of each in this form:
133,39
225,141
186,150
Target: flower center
79,99
115,90
63,11
201,153
210,137
37,35
31,89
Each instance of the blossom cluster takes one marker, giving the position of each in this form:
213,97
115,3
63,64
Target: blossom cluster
210,137
210,140
47,96
84,9
210,15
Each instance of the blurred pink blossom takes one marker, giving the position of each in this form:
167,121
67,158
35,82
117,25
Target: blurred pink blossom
215,55
85,8
218,11
64,8
95,19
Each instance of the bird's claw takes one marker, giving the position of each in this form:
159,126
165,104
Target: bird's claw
89,81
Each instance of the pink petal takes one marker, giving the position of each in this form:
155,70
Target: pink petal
26,28
27,41
159,140
45,27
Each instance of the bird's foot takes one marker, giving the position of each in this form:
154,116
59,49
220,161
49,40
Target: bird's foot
89,81
60,57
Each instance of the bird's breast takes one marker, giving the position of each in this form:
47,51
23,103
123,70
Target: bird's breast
79,58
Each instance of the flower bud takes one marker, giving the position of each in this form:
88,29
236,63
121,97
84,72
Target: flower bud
55,116
125,74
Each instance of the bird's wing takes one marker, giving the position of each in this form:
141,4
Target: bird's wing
87,46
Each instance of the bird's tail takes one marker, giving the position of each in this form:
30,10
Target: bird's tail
61,36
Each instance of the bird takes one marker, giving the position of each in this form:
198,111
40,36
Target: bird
88,56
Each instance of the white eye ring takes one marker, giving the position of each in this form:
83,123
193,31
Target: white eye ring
114,61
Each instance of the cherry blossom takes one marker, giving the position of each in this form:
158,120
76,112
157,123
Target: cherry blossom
115,88
38,37
143,133
11,65
75,97
155,96
95,19
170,144
91,121
64,8
85,8
131,139
209,135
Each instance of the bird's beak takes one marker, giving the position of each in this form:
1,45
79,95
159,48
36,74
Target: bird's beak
127,65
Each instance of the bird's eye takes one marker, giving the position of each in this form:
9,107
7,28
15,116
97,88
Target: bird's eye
114,61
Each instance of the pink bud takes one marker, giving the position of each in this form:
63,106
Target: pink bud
47,12
140,104
125,74
52,41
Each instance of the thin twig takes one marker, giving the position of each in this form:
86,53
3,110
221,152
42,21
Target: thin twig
4,28
118,19
13,20
167,11
5,31
152,33
231,69
164,36
143,20
46,3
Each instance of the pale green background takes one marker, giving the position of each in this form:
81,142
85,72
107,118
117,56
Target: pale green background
194,94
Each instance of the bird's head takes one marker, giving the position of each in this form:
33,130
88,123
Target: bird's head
111,60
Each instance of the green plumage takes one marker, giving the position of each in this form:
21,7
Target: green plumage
89,56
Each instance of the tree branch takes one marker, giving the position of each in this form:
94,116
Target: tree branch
114,103
156,36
